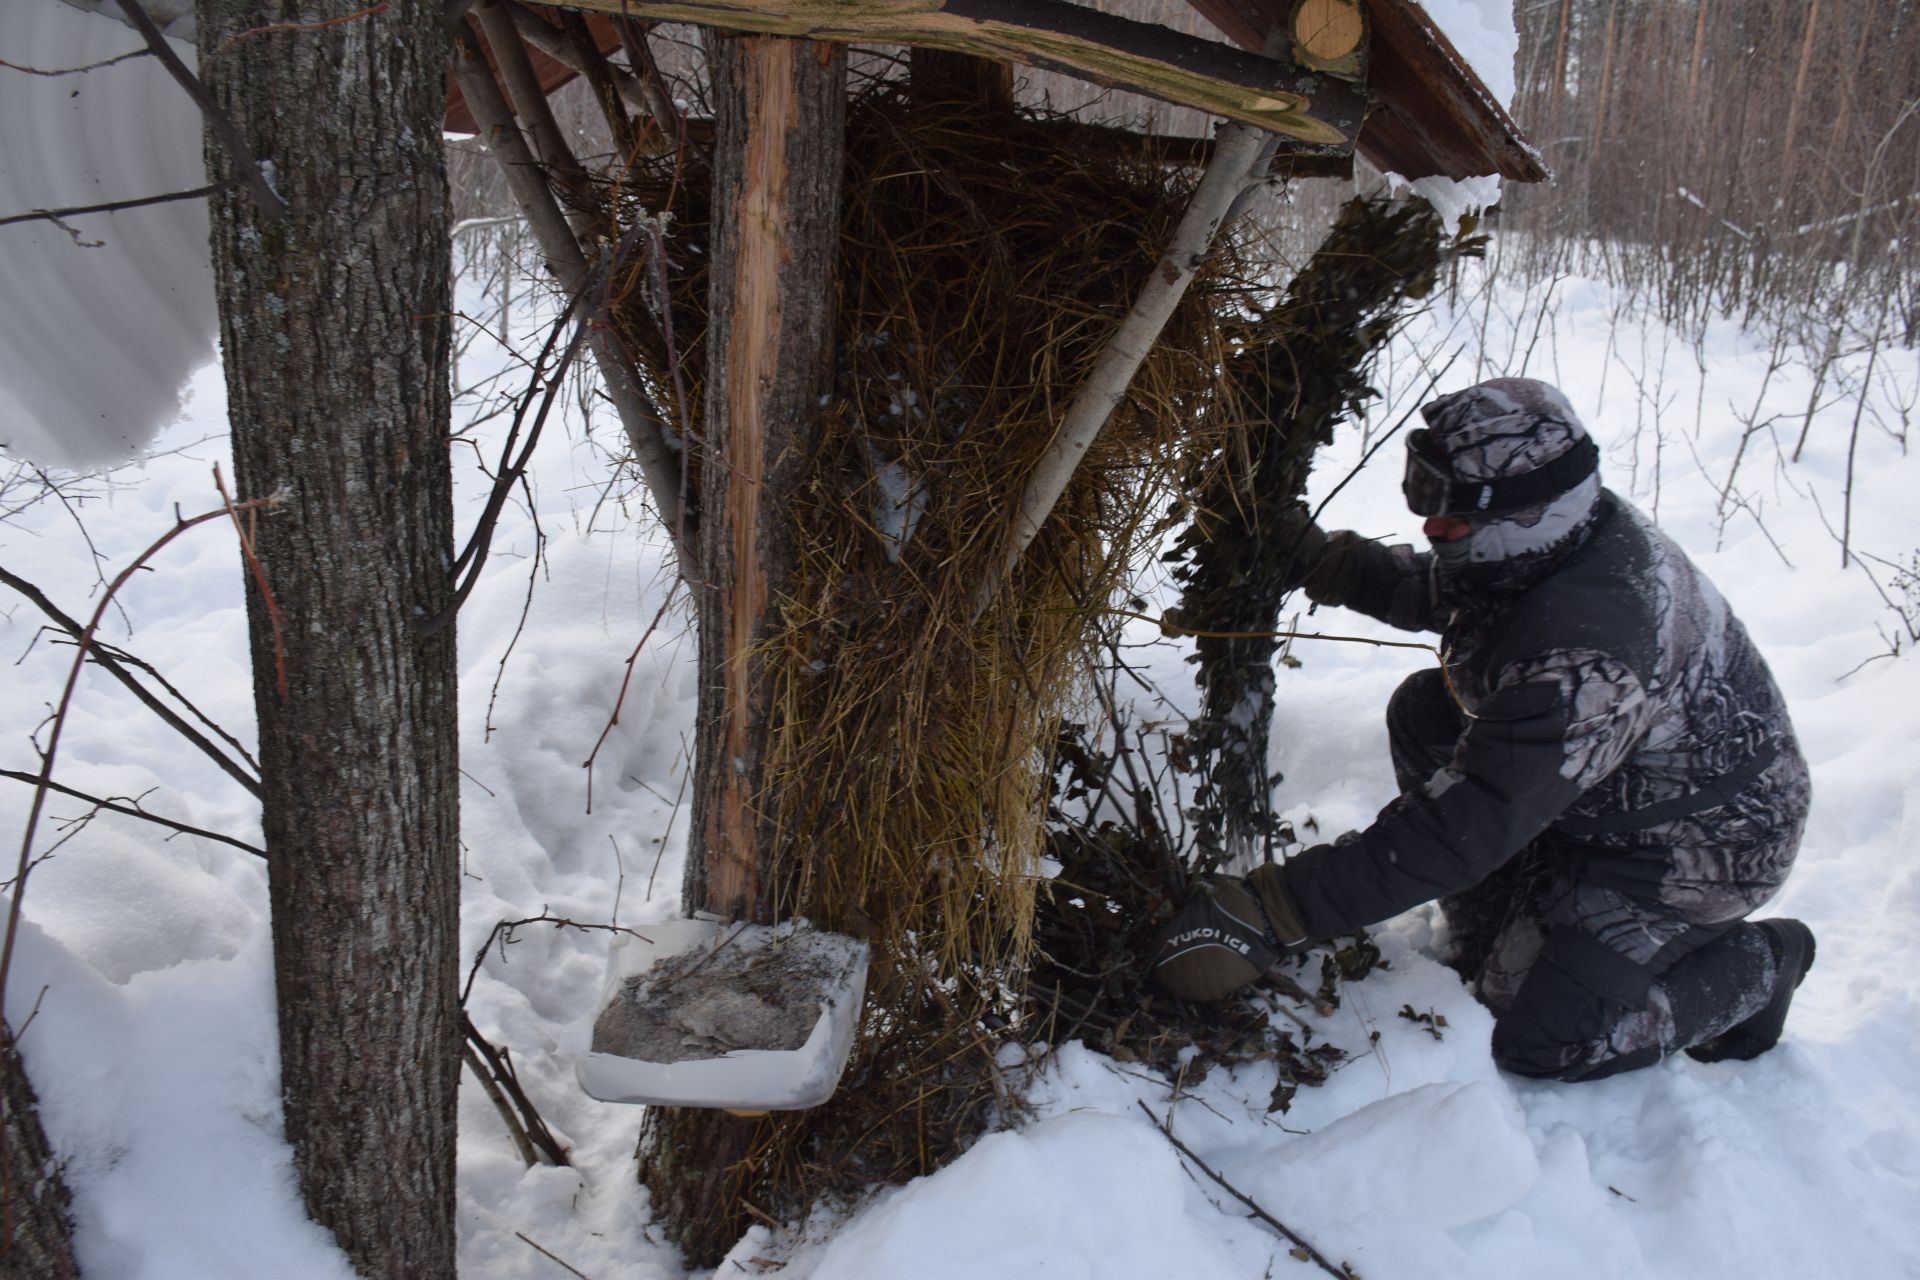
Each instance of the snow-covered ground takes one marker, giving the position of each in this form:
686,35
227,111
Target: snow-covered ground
153,1045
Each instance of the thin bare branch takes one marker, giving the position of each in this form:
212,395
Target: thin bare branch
614,717
321,25
57,216
110,660
134,811
500,1066
491,1088
1319,1259
49,754
76,71
248,169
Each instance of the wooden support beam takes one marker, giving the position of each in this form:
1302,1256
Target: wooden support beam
1278,96
564,48
1330,36
1230,172
645,427
779,142
1431,114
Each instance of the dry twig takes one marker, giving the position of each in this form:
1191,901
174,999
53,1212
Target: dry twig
219,123
49,754
1342,1272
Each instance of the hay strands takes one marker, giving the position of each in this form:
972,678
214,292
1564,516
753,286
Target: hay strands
748,1018
1231,172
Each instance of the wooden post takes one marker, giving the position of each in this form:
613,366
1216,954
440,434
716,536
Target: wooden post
779,136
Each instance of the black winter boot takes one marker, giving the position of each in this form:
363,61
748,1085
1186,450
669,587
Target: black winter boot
1793,949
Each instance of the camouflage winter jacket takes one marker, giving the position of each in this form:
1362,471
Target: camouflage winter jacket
1614,708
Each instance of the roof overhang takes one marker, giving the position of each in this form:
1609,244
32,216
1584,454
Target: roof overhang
1431,116
1404,98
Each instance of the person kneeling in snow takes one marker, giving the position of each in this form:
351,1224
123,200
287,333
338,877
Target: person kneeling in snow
1598,786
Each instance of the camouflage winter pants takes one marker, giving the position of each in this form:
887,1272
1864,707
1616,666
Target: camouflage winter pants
1584,980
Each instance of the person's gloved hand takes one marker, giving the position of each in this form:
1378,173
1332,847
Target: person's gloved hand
1334,578
1228,934
1320,562
1299,539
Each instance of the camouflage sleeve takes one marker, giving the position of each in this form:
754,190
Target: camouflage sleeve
1391,584
1554,726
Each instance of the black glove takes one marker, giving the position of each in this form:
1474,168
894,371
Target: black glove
1320,563
1225,937
1299,539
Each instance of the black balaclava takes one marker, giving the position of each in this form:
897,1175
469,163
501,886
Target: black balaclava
1496,430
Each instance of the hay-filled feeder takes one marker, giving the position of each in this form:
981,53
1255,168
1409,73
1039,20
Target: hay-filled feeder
747,1018
901,777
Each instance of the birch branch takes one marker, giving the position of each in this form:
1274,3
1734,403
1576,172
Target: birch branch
132,810
643,424
58,216
1230,172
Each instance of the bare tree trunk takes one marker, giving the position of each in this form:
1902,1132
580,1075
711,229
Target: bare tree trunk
36,1230
333,325
779,139
1559,61
1797,104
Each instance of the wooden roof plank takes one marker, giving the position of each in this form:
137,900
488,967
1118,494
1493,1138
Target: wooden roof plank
1423,110
1431,115
1271,94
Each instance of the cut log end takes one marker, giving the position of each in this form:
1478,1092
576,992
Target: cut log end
1330,35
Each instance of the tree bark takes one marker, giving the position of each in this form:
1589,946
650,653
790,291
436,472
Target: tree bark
334,331
778,146
779,137
36,1227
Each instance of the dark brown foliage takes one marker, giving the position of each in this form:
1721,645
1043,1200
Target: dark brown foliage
1303,368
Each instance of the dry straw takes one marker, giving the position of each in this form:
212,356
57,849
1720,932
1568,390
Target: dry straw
984,263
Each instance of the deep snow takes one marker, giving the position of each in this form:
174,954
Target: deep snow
148,957
121,312
154,1045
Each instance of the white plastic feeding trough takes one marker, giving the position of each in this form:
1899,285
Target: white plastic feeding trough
696,1013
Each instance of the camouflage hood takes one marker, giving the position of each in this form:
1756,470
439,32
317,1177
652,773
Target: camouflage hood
1498,430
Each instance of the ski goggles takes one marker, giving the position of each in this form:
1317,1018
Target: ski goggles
1432,490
